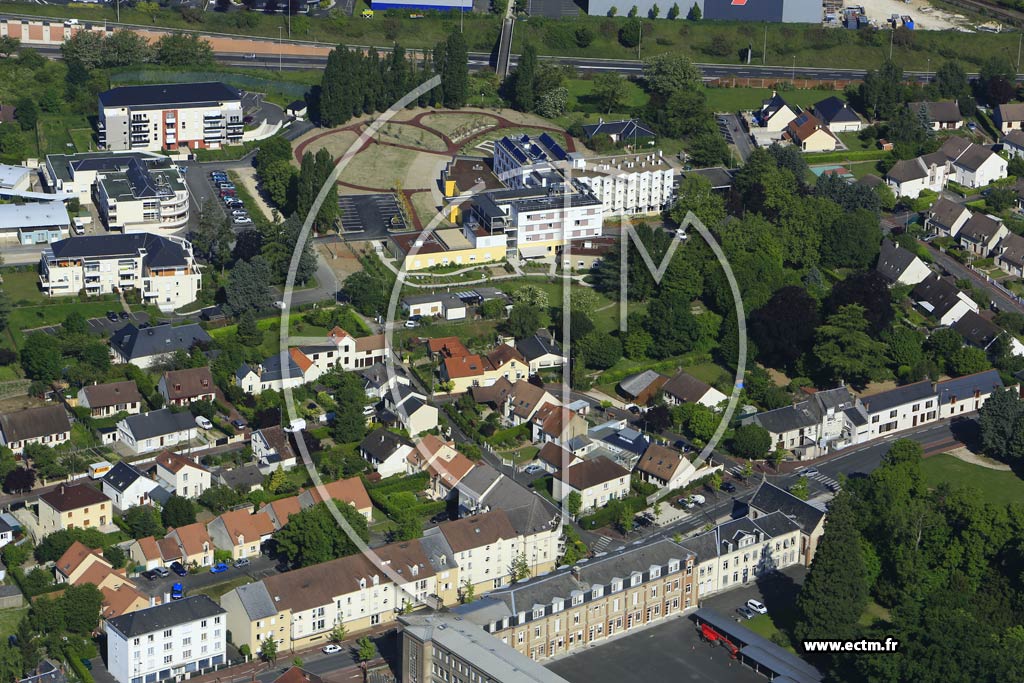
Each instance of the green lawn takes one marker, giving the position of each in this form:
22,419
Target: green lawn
56,137
9,619
581,97
872,613
997,487
742,99
854,142
218,589
763,626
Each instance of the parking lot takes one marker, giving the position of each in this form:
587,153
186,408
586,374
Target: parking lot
369,216
259,568
103,326
206,194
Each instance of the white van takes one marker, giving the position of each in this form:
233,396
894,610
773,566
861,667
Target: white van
204,422
71,22
296,426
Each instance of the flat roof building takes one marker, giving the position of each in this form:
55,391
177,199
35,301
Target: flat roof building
34,223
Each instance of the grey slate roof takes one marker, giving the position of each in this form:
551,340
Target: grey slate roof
832,110
786,419
965,387
624,129
256,600
945,212
938,292
939,112
246,475
634,385
976,330
537,346
479,479
381,443
770,498
166,615
980,228
907,170
158,423
886,400
685,388
527,512
195,94
122,475
134,343
160,251
32,423
893,260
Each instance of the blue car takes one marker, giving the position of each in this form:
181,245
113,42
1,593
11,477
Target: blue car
177,591
218,568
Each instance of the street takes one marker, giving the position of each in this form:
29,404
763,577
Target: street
259,568
960,271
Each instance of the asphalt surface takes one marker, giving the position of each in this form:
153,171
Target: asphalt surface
368,216
960,271
259,568
734,132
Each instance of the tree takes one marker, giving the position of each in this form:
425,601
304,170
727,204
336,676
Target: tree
46,461
219,498
574,504
800,488
41,357
248,286
870,291
609,90
213,237
845,349
783,329
751,441
671,72
81,606
598,351
248,331
520,568
115,555
951,81
454,70
311,536
338,634
177,512
967,360
125,48
553,103
853,241
998,77
882,90
673,11
367,293
584,36
629,34
347,389
183,49
19,479
524,320
271,150
942,344
835,591
142,521
27,113
1001,422
672,325
654,11
366,650
694,14
268,649
467,593
524,89
708,149
11,667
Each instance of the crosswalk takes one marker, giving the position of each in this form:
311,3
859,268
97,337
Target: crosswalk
830,483
602,544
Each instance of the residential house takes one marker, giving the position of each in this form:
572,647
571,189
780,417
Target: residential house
1013,143
190,544
244,478
156,430
946,217
771,500
378,379
939,115
410,409
837,115
1010,254
910,177
775,113
960,160
618,438
297,674
446,465
272,448
47,425
624,130
440,646
977,331
517,403
469,370
579,607
900,266
966,394
146,553
828,418
182,387
685,388
552,458
809,134
80,565
439,304
167,641
6,533
484,547
1009,117
671,469
150,346
276,373
942,299
902,408
299,609
744,550
122,600
982,233
445,347
73,506
974,165
281,510
241,532
127,486
386,451
104,400
182,475
556,423
641,387
76,561
541,352
349,491
597,480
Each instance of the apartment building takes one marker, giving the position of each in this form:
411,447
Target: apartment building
170,116
577,607
162,269
770,499
78,506
627,183
300,608
742,550
440,647
170,641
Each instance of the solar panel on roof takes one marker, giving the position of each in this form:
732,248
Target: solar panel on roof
546,140
524,139
519,155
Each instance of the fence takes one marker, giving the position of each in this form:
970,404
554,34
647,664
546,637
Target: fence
998,285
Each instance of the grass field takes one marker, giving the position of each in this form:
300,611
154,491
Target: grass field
378,166
403,134
997,487
581,98
218,589
742,99
763,625
452,124
9,619
854,142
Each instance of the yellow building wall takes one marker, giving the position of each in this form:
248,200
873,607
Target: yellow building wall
468,257
819,141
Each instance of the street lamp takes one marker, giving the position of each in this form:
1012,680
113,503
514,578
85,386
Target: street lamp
794,70
280,46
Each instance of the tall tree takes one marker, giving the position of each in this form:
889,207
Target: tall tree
609,90
671,72
524,88
784,328
853,241
312,536
178,511
845,349
1001,420
455,74
882,90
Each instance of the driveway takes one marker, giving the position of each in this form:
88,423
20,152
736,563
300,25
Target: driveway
259,568
732,128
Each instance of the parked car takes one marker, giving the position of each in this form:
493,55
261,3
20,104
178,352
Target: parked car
242,220
728,487
411,324
161,572
179,569
533,469
685,503
808,472
331,649
112,316
204,422
177,591
218,568
235,204
746,612
123,315
239,212
757,606
226,185
698,499
148,575
241,562
239,424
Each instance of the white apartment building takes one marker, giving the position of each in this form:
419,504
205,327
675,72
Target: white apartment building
170,116
628,183
167,642
132,191
163,269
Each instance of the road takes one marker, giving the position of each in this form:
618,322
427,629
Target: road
960,271
259,568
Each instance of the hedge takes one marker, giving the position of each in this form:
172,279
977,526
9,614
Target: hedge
858,155
606,515
84,675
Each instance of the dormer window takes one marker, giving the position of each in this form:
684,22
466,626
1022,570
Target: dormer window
597,591
673,566
634,580
577,599
616,585
362,583
655,572
415,570
557,604
538,612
